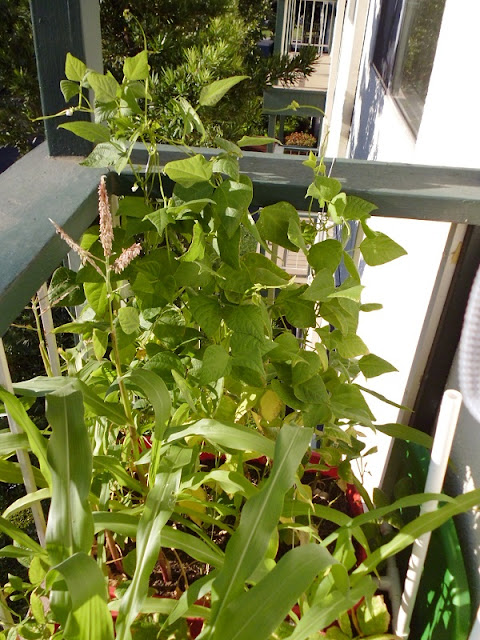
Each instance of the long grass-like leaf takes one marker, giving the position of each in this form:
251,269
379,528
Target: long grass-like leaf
121,522
10,551
42,386
187,600
114,467
231,482
322,614
247,547
9,442
403,432
19,536
166,606
155,389
354,524
413,530
126,524
89,616
230,436
26,501
11,472
37,442
158,509
70,522
244,619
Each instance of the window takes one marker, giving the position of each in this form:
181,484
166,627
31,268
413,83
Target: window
405,50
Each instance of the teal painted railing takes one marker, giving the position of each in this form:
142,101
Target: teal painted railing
39,187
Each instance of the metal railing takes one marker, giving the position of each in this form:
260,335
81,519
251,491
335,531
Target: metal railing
308,23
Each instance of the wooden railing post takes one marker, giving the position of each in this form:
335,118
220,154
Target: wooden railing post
58,28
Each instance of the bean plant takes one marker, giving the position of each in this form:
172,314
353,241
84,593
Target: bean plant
183,422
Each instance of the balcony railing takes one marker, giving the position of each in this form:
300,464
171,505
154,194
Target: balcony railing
40,186
308,23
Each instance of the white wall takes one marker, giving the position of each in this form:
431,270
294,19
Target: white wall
379,132
449,135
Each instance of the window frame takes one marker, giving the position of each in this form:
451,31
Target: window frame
390,72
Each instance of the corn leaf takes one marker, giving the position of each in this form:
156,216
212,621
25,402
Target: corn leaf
247,547
230,436
413,530
166,606
89,616
187,600
126,524
11,472
406,433
244,619
42,386
26,501
70,523
9,442
37,442
114,467
155,389
19,536
158,509
330,608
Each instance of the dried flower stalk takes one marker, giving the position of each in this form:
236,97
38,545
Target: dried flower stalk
125,258
85,256
106,223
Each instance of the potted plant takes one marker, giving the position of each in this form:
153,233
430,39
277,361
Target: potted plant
192,343
298,142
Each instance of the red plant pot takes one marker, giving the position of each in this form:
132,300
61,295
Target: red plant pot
195,624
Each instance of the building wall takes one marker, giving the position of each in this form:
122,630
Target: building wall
449,135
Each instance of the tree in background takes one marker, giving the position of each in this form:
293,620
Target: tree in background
191,43
19,94
194,42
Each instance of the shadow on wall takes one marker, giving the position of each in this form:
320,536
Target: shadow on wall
368,107
370,102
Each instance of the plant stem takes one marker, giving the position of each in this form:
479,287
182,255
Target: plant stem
121,385
41,342
112,547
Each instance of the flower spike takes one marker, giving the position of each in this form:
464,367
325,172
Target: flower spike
85,256
106,223
125,258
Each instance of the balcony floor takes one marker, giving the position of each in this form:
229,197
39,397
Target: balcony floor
319,79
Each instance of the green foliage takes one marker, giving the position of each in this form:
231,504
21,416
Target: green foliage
191,44
185,371
19,94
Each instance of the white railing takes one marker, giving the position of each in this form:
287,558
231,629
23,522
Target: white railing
308,23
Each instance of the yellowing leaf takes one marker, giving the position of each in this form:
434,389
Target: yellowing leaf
197,505
271,405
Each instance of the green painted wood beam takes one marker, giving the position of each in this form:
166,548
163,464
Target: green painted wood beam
39,187
399,190
69,26
277,47
36,188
